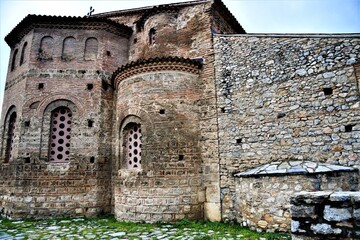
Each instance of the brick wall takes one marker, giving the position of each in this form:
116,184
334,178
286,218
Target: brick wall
31,185
168,186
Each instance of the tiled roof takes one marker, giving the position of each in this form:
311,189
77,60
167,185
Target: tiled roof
33,21
293,167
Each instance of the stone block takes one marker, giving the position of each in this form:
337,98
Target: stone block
337,214
213,193
325,229
295,226
212,211
262,224
303,211
310,197
356,214
340,197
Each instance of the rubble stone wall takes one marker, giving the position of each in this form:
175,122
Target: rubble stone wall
325,215
263,203
285,97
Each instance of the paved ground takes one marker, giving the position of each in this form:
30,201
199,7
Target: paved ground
63,230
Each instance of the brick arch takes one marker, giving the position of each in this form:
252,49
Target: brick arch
46,49
69,49
44,103
130,115
13,61
9,111
47,132
31,101
130,126
8,136
137,112
23,52
91,48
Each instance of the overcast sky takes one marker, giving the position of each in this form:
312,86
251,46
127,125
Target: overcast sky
256,16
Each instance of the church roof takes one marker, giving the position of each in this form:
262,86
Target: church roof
42,21
293,167
148,8
151,10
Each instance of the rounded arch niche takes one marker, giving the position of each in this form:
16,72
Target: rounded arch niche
130,143
60,118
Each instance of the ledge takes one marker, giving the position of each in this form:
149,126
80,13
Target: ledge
293,167
293,35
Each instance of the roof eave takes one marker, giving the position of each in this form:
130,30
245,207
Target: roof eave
29,22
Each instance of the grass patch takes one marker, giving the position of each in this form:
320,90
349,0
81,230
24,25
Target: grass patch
109,228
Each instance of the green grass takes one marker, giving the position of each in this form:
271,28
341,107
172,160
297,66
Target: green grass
104,227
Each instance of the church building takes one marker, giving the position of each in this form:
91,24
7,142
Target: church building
173,111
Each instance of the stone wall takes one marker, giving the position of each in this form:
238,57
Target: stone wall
285,97
325,215
263,202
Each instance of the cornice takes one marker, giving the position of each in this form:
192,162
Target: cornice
153,65
58,22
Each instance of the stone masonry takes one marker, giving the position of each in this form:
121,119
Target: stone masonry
325,215
148,113
285,97
262,200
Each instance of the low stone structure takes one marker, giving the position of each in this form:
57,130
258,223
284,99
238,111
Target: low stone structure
262,199
325,215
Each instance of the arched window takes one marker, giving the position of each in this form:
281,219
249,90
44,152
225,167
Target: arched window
10,137
91,49
69,48
152,34
132,143
23,51
59,148
46,48
13,62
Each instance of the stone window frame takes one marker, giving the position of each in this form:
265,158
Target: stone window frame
5,144
123,151
46,128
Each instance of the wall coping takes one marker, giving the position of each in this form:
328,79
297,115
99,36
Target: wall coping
293,35
293,167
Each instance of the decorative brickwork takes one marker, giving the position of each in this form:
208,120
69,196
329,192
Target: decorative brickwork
156,64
